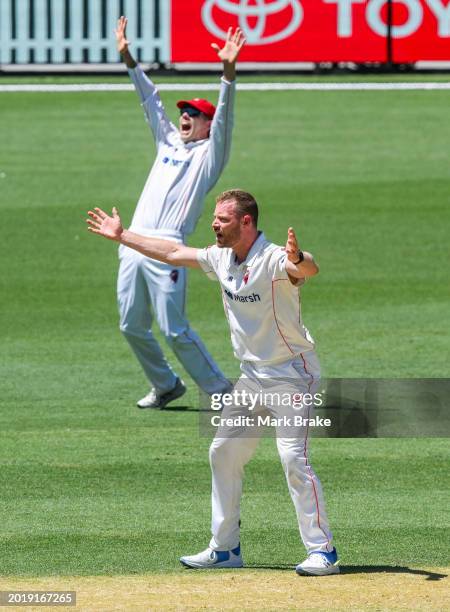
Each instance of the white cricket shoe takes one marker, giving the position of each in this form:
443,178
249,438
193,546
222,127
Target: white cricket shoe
157,401
209,559
319,564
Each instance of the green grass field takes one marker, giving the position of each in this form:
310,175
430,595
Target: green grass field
90,485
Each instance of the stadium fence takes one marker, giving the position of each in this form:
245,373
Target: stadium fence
80,31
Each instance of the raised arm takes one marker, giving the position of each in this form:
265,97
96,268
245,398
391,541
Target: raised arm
167,251
229,53
145,88
123,43
299,264
222,124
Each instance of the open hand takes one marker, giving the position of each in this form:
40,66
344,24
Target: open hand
103,224
121,36
232,47
292,247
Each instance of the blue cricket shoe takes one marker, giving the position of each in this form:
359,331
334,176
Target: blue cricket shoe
210,559
319,564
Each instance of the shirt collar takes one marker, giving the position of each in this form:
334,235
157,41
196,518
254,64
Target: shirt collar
195,143
187,145
255,248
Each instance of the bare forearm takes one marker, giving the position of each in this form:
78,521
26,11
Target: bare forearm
229,71
167,251
308,267
304,269
156,248
128,59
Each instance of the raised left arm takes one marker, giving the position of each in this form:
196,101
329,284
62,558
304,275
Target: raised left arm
299,264
229,53
222,124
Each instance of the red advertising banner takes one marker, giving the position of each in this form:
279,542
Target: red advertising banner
313,30
421,30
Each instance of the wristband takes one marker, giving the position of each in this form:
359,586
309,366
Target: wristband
301,257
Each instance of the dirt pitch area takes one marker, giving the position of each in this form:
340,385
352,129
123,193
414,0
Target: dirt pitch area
360,589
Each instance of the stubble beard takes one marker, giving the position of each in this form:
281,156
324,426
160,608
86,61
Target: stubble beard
230,240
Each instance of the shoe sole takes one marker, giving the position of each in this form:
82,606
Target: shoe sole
328,571
163,404
221,565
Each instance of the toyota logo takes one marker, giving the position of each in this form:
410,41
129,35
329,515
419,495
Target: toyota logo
262,10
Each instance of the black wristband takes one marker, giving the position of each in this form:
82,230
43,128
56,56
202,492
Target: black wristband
301,257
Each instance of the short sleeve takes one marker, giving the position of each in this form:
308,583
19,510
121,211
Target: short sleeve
277,264
277,267
208,260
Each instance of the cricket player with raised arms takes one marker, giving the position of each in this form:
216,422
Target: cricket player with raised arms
272,344
189,160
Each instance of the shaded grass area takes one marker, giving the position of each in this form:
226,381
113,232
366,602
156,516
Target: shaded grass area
92,486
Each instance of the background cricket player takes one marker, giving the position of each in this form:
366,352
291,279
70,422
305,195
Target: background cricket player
188,163
271,342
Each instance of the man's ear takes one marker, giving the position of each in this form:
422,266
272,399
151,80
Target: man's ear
246,220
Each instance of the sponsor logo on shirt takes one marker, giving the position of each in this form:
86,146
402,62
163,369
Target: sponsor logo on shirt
254,297
175,162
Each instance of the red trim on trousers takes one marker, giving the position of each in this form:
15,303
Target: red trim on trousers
306,457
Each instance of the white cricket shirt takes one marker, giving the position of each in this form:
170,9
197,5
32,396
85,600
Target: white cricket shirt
261,303
182,174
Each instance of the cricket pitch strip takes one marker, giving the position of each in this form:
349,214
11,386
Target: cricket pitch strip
356,588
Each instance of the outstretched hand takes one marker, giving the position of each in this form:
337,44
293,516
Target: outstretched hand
121,35
292,247
232,47
103,224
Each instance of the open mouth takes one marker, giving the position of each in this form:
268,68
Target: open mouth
186,127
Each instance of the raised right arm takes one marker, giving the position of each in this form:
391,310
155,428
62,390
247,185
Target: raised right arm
145,88
167,251
123,43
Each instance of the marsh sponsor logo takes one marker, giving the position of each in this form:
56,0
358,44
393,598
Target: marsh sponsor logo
254,297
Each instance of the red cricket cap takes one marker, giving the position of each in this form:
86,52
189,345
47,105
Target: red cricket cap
204,106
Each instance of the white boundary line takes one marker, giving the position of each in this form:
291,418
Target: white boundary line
412,86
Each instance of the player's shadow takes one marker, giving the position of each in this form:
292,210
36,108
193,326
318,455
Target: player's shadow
362,569
181,409
189,409
390,569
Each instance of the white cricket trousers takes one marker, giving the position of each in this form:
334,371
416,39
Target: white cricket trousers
147,288
233,447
